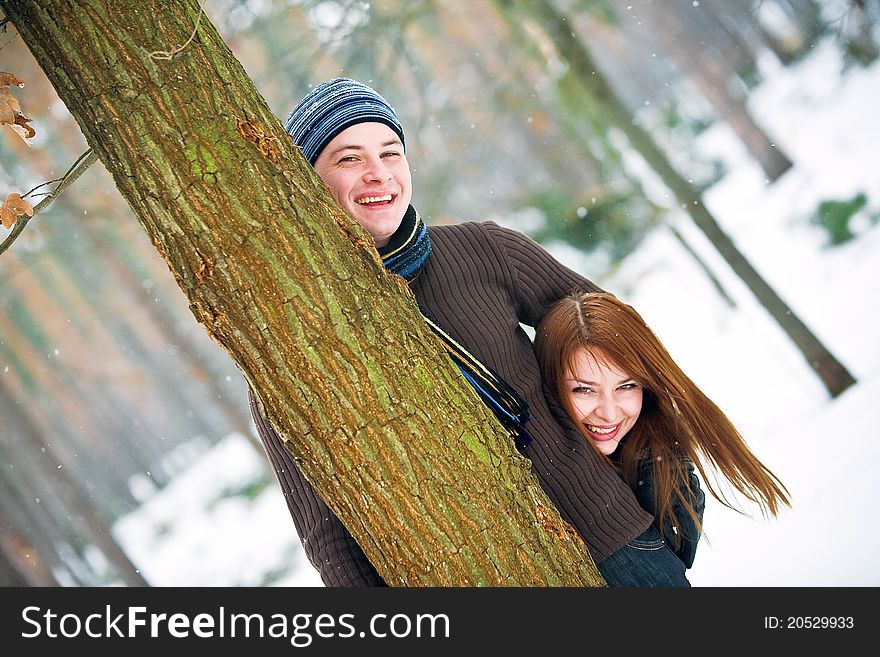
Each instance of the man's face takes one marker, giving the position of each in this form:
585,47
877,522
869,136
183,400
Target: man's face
368,175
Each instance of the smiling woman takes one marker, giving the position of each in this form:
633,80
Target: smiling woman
606,401
636,407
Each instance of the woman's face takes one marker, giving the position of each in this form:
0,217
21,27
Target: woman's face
606,400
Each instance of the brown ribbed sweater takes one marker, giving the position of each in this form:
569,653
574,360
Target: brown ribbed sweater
480,283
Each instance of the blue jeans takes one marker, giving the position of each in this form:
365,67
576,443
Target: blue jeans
646,561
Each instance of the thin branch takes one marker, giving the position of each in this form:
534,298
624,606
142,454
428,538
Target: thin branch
82,163
168,54
3,30
73,166
31,191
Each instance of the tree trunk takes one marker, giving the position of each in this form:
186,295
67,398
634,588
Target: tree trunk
707,272
368,403
42,474
43,316
832,372
742,13
712,75
21,563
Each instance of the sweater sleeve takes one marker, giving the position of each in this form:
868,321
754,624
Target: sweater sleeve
538,278
329,546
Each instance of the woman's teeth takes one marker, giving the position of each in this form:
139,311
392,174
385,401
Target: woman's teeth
599,430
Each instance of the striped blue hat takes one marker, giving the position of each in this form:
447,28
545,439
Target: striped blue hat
333,106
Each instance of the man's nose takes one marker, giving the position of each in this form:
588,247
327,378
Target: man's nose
377,171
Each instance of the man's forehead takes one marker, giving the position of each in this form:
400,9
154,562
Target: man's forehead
357,146
364,135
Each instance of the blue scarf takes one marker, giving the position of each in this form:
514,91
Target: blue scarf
406,254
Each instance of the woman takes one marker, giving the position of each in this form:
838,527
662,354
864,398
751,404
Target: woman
636,407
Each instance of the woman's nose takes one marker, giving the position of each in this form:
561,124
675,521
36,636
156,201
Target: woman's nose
606,409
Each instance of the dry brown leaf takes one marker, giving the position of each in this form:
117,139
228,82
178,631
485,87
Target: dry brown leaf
10,114
25,133
7,79
13,207
22,121
8,106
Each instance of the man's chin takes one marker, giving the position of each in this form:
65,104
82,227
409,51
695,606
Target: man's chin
381,229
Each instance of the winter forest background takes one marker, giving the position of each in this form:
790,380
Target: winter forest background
127,455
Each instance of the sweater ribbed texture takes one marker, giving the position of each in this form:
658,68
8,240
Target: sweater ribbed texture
481,282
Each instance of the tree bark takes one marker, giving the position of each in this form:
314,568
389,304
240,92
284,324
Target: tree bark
369,405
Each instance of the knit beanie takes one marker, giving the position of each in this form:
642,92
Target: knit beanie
333,106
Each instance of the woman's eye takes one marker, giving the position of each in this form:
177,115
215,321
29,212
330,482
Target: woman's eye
629,386
581,390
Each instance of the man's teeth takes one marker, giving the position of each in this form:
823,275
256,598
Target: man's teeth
374,199
600,430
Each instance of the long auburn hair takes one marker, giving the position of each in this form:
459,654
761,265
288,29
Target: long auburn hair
676,420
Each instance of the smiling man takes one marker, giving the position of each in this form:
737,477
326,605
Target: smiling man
368,175
476,283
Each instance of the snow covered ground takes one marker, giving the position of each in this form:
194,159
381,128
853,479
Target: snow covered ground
194,533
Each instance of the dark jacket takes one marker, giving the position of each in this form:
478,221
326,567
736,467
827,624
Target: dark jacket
683,538
481,282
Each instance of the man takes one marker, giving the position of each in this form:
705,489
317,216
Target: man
475,283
